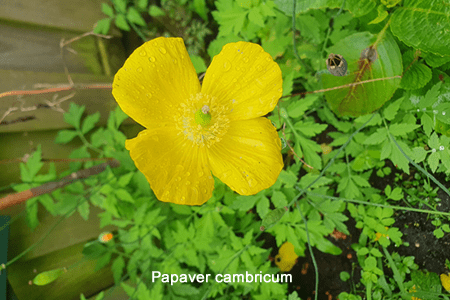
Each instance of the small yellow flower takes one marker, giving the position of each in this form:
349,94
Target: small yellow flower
192,129
379,235
445,280
286,257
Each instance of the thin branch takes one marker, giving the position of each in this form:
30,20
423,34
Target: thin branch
49,187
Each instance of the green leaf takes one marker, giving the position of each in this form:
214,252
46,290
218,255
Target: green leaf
107,10
121,22
398,158
65,136
199,63
433,161
47,277
103,261
399,129
262,207
201,9
93,250
32,213
423,25
255,16
142,4
298,107
33,165
83,209
135,17
119,116
100,296
185,290
230,16
416,76
120,5
124,180
382,14
124,195
419,154
73,116
89,122
272,218
364,98
438,233
103,26
286,6
431,96
117,268
279,199
155,11
391,110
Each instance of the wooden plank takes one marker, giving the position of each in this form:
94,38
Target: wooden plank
77,15
71,231
35,48
81,276
45,117
15,145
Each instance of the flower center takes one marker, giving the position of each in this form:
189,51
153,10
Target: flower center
201,120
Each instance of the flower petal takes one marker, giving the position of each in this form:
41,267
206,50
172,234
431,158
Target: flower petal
155,78
244,78
177,171
248,158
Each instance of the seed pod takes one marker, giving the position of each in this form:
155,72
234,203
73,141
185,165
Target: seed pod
336,65
370,54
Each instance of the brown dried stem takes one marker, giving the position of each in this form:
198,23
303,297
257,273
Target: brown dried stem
49,187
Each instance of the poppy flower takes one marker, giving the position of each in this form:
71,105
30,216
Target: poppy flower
286,257
195,130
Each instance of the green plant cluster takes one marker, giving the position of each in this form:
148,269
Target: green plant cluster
393,128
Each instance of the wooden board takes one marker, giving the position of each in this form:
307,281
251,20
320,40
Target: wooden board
46,118
33,48
80,278
77,15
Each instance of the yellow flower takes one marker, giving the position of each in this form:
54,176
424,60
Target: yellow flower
445,280
192,129
286,257
379,235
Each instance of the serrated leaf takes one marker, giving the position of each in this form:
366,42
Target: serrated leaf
73,116
365,98
419,154
399,129
89,122
107,10
431,96
427,124
262,207
298,107
142,4
200,8
398,158
120,5
83,209
134,16
391,110
103,26
416,77
124,195
286,6
423,25
32,213
65,136
199,63
121,22
117,268
310,129
377,137
155,11
433,161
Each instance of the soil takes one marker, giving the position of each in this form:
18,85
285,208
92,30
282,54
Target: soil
430,253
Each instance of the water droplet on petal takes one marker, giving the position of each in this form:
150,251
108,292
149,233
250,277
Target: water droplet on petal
162,50
152,58
139,69
175,61
188,182
142,53
259,83
226,65
200,174
245,59
194,193
204,191
259,68
244,191
149,95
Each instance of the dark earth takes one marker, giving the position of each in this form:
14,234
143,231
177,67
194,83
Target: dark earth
430,253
